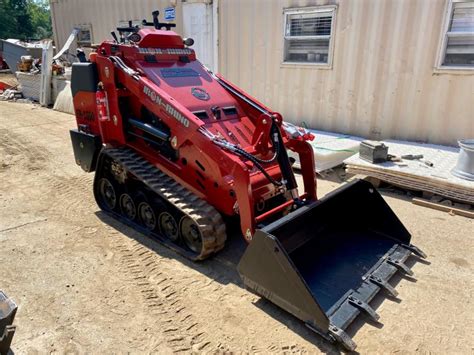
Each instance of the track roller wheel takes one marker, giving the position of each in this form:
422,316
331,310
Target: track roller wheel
147,215
191,235
169,226
107,194
127,206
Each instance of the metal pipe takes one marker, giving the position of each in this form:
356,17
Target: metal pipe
279,208
242,97
155,132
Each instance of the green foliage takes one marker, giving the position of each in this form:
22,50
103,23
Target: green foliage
7,19
40,17
25,19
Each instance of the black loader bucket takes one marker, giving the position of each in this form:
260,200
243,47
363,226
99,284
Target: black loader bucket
325,262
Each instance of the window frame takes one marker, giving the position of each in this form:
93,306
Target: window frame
86,27
309,10
443,43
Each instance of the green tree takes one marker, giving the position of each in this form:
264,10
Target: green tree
25,19
7,20
40,17
24,28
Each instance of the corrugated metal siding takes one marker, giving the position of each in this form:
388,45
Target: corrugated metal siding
382,83
104,15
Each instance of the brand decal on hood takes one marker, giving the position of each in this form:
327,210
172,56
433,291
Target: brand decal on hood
153,96
200,94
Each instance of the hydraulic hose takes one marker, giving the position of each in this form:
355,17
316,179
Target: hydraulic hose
284,161
236,150
280,154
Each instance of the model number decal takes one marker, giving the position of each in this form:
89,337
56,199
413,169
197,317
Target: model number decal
177,51
168,108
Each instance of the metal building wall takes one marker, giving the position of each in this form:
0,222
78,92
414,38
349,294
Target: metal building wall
382,83
104,15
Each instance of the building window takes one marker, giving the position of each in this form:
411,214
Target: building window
308,35
84,36
458,42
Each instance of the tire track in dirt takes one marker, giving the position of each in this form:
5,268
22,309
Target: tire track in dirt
211,287
15,149
167,290
162,294
73,196
69,191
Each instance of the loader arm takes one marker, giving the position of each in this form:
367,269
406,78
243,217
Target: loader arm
186,127
163,105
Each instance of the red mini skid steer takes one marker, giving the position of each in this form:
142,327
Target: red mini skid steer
177,149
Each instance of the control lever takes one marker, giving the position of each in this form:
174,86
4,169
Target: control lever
128,29
114,35
156,23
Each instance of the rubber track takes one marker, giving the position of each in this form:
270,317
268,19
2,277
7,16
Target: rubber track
210,222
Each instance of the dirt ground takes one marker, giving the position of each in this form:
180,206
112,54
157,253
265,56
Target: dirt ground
86,283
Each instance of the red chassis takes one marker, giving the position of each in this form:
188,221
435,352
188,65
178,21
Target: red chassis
160,74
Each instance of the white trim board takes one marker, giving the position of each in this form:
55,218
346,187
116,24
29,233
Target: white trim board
330,149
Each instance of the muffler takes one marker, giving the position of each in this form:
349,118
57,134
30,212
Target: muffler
325,262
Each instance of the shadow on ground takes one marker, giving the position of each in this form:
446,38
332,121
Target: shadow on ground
223,269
